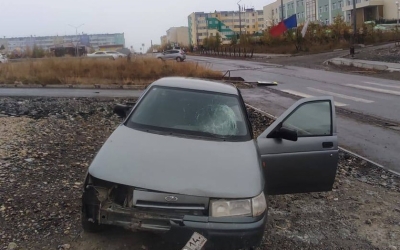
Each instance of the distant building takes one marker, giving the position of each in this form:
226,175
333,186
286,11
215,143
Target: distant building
177,36
113,47
324,11
164,40
227,24
47,42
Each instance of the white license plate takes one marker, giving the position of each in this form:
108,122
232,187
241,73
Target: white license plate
196,242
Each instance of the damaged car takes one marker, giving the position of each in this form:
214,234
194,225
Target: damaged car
184,162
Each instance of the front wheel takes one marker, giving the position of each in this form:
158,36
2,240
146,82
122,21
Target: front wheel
178,59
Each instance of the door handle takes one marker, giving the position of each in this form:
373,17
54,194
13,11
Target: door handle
327,144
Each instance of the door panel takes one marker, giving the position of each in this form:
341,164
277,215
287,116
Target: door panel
308,164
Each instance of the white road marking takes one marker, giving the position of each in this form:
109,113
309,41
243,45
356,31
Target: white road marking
339,104
356,99
386,91
383,85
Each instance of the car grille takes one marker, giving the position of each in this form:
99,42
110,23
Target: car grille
182,205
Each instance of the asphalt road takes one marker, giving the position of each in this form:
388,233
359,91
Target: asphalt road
370,98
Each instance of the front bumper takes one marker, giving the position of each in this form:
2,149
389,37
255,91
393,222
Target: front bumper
223,234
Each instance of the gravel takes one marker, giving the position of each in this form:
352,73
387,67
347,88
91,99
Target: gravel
389,54
46,145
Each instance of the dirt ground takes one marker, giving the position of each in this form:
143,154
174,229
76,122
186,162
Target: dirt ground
389,54
46,145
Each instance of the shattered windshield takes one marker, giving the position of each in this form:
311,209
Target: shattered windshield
190,112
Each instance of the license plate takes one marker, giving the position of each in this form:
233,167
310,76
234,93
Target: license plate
196,242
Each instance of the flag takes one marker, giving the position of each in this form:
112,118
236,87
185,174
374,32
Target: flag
286,24
278,29
304,30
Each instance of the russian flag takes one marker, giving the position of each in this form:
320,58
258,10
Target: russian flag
283,26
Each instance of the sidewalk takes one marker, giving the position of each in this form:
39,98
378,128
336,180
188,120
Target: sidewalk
375,65
268,56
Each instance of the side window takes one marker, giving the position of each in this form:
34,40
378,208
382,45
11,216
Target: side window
311,119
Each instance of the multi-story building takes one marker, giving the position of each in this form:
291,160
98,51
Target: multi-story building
325,11
225,23
47,42
164,40
178,36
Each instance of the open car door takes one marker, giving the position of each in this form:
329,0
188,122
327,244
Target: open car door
299,151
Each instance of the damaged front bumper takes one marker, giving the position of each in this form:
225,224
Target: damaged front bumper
178,229
100,205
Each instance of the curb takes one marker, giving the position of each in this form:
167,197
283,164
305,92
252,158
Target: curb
72,86
370,66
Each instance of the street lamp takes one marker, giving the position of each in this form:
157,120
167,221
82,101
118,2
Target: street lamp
76,33
240,19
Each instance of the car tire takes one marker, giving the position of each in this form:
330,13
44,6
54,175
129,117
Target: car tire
178,59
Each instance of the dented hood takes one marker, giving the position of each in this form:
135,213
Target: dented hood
179,165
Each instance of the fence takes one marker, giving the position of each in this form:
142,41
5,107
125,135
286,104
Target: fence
228,52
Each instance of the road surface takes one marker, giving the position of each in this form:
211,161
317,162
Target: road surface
368,108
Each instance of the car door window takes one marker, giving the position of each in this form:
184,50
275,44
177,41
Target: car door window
311,119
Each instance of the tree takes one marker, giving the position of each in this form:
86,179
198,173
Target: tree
205,43
234,40
37,52
217,41
2,47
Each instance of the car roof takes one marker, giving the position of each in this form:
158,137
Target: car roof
197,84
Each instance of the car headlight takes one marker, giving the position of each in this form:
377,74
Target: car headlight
259,204
248,207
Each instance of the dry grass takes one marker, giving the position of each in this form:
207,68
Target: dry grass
98,71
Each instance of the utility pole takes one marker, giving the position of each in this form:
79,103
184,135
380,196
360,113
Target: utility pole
352,49
76,33
398,10
240,19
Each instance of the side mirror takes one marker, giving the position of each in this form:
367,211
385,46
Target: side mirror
284,133
121,110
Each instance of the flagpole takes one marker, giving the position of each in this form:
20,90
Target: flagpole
282,10
240,19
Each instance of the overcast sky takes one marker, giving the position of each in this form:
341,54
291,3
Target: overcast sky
141,21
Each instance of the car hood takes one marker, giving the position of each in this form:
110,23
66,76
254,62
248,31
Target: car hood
179,165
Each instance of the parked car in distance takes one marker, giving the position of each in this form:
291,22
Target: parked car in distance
184,162
106,54
3,59
173,54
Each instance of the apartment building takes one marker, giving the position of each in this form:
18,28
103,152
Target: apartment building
164,40
226,23
324,11
47,42
176,36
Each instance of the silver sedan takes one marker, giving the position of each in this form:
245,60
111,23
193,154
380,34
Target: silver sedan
184,162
